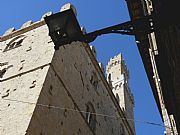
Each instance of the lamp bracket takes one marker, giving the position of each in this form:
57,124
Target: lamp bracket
139,26
65,29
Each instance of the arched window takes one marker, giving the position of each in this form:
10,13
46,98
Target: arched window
117,87
90,116
15,42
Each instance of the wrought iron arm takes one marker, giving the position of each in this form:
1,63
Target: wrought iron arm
64,28
139,26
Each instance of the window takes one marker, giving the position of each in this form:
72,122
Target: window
14,43
116,87
90,116
94,80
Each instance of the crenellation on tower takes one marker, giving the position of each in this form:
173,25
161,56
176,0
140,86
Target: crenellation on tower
46,14
27,24
12,32
117,64
93,50
69,6
114,61
9,31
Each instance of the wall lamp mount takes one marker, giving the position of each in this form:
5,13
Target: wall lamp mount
65,29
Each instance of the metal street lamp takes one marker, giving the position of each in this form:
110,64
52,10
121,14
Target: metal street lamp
64,28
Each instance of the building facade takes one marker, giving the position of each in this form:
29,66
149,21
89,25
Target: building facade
159,51
48,92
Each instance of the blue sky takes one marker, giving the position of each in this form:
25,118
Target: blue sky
93,15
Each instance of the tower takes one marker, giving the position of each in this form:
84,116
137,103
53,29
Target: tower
118,76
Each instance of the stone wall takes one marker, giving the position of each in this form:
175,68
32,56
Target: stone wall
24,62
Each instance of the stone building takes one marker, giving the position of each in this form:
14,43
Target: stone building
118,76
159,51
48,92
